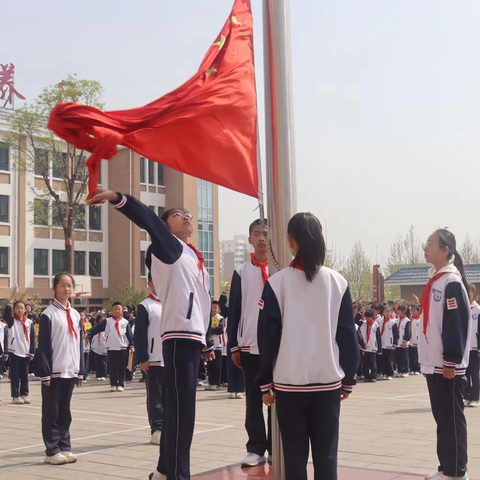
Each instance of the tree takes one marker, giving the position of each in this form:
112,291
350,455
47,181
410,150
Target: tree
40,152
35,301
413,248
334,259
469,251
128,296
358,272
397,253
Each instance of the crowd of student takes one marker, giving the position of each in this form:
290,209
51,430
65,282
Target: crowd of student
292,339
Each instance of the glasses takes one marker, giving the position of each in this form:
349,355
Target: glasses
427,244
188,216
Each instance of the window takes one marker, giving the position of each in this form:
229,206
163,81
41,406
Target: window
58,261
40,212
4,260
143,269
151,172
152,208
41,162
161,211
95,301
4,208
59,161
80,220
40,262
79,263
142,170
160,174
45,301
58,213
95,264
95,217
4,157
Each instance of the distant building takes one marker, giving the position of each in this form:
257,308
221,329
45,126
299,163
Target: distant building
412,280
232,254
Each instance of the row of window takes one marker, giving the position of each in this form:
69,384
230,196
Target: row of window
41,262
160,210
43,215
149,171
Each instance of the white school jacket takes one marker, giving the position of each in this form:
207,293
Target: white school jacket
148,342
306,333
245,293
390,333
447,341
374,343
404,331
475,329
415,331
18,344
217,330
114,341
98,345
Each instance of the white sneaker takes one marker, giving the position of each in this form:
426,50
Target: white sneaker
26,400
58,459
270,459
199,384
31,375
157,476
1,377
466,403
231,395
120,389
389,378
103,379
210,388
252,460
417,373
239,395
113,389
155,438
18,401
405,375
99,379
474,403
435,476
70,457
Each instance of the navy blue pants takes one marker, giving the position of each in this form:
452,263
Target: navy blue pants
214,369
259,437
401,356
413,359
234,376
473,388
19,375
311,417
182,358
154,384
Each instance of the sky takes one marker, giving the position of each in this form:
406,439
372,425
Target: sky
386,98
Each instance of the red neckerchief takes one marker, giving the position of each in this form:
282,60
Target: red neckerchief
71,329
416,318
201,261
22,321
425,302
263,266
116,325
369,326
298,264
385,320
153,297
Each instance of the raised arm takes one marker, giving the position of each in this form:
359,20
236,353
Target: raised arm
99,327
141,334
7,316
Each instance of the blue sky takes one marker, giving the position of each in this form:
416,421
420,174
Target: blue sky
386,97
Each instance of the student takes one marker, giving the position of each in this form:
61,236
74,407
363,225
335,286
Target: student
389,335
21,349
444,348
60,367
360,316
98,351
3,345
377,309
118,340
216,336
148,348
413,350
472,387
313,371
86,326
236,386
405,334
183,285
247,285
370,330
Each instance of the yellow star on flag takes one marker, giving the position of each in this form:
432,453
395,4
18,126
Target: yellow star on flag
221,42
235,21
211,70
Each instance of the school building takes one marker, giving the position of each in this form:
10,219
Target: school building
106,245
412,280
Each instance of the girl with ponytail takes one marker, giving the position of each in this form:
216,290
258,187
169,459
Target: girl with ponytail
443,350
308,351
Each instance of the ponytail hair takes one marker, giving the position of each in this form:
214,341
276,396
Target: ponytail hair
306,230
447,239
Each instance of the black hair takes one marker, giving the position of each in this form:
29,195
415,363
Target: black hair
403,308
215,302
416,307
369,314
378,307
117,303
59,276
256,223
306,230
149,276
447,239
20,301
168,213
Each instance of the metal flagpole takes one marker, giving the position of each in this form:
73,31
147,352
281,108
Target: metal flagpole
281,181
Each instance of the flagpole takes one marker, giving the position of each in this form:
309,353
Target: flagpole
280,158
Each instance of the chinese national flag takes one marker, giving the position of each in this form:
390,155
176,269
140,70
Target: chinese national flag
206,128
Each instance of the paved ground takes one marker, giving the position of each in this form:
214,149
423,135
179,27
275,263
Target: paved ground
385,426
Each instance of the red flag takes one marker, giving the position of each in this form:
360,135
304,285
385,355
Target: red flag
206,128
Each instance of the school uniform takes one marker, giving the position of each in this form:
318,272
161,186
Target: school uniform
308,354
216,335
60,361
473,387
21,348
183,285
247,285
3,345
444,342
404,336
378,359
98,353
148,348
389,336
373,346
118,340
413,349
